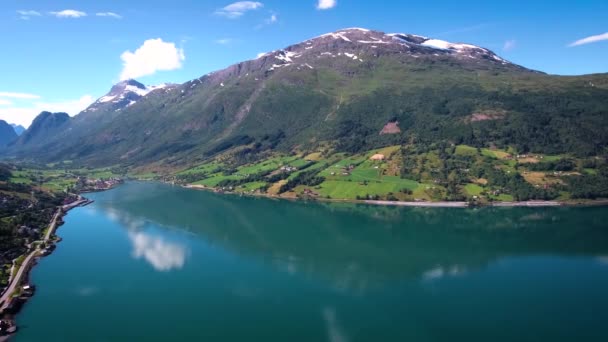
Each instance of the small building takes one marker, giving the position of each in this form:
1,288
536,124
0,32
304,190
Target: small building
28,290
377,156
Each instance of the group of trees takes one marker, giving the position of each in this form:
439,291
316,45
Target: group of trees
538,120
21,205
310,178
589,186
513,183
558,165
453,171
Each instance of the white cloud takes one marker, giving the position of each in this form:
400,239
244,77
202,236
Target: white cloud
27,108
237,9
27,14
69,13
509,45
109,14
154,55
18,95
590,39
272,19
223,41
4,102
326,4
260,54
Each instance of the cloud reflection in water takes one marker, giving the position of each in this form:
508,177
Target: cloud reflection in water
161,254
335,332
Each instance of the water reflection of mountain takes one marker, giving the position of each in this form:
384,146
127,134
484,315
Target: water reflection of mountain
357,246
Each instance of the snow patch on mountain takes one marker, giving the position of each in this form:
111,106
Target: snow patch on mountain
286,56
106,99
335,36
125,94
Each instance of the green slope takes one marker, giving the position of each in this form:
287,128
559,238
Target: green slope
338,94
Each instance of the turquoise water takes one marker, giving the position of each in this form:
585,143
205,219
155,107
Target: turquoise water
151,262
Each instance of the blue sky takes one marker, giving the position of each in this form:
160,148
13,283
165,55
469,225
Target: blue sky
61,55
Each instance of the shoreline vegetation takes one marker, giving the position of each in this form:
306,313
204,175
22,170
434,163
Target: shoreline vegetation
36,198
19,290
421,204
430,175
417,174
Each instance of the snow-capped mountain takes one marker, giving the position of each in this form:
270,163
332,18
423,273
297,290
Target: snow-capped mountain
341,88
413,44
358,43
124,94
345,48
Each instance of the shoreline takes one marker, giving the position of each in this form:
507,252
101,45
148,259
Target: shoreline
11,305
419,204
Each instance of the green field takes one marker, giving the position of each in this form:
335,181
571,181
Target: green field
214,180
271,164
441,172
251,186
464,150
473,189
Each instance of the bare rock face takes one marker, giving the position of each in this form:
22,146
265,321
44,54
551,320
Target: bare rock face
391,128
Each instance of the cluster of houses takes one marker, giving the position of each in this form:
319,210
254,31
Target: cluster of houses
70,199
99,184
523,156
7,327
28,231
14,202
223,189
309,192
48,249
14,305
345,170
287,168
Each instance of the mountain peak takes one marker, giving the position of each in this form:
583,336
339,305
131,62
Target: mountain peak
18,128
129,85
124,94
415,45
44,126
7,133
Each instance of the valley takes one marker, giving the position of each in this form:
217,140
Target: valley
248,171
450,122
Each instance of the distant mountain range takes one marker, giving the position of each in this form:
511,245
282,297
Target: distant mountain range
350,90
7,133
18,128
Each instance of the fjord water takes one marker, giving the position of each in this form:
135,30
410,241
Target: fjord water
151,262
